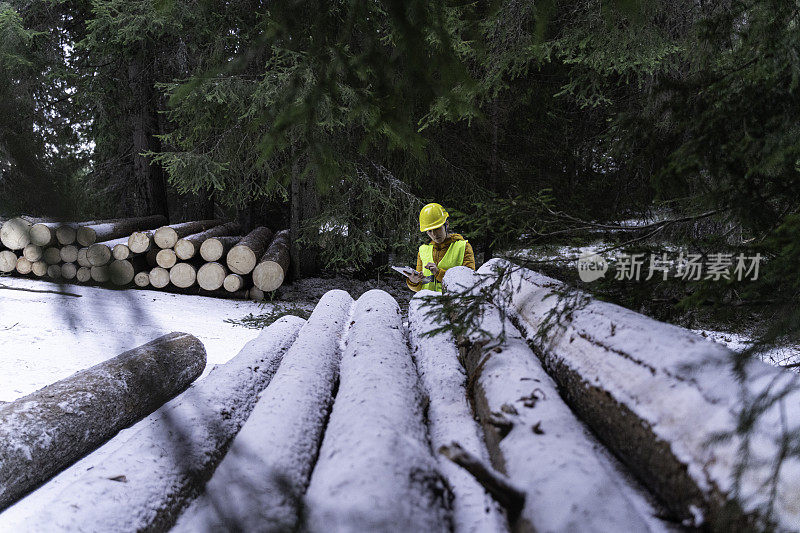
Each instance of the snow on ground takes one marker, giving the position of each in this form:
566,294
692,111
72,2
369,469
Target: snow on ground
780,355
46,336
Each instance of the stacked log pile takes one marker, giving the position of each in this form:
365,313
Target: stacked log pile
206,256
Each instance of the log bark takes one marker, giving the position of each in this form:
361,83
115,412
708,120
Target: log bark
365,484
233,282
32,253
86,235
167,236
8,261
183,275
120,228
660,398
215,248
271,270
52,255
271,464
242,258
100,274
39,269
159,277
46,431
69,271
15,234
69,253
142,279
165,458
84,274
534,437
187,247
24,266
211,276
166,258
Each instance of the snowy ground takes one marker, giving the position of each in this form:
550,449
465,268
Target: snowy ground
46,336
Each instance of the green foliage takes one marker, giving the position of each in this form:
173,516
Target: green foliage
263,320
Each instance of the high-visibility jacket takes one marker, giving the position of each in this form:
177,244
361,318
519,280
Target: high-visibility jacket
439,251
453,257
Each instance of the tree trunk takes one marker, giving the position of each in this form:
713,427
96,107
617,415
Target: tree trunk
304,206
46,431
189,246
167,236
117,229
242,258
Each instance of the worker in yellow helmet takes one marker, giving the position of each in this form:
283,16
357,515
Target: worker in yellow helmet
445,250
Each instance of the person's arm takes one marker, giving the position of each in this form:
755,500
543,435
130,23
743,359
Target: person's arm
469,257
416,287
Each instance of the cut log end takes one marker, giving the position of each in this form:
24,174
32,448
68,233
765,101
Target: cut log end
256,294
121,272
233,282
69,271
241,260
86,236
166,258
15,234
69,253
24,266
121,252
39,269
139,242
211,276
268,276
52,255
54,271
165,237
84,274
100,274
66,235
8,261
141,279
42,235
159,277
33,253
183,275
184,249
211,250
98,254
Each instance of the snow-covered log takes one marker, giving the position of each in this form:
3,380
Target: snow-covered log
8,261
271,270
46,431
211,276
259,484
183,275
242,258
32,253
69,253
117,229
450,418
15,234
534,437
215,248
187,247
142,478
660,397
375,470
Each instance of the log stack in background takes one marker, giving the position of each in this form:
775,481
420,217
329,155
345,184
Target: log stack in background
204,256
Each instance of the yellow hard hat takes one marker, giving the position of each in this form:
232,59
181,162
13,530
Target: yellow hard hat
431,217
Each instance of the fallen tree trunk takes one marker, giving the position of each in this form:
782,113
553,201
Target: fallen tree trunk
8,261
450,417
375,470
167,236
241,259
533,436
15,234
215,248
183,275
46,431
271,270
661,398
117,229
142,478
187,247
273,455
211,276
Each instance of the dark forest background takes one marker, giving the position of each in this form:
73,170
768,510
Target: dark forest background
340,119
